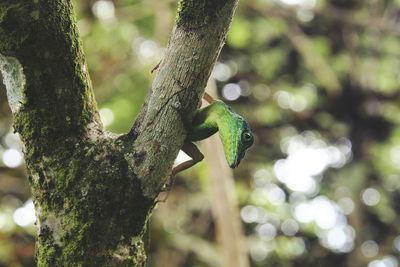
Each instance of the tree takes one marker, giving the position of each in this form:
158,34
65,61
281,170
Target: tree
93,190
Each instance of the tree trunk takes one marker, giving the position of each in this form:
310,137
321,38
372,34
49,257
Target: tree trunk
94,191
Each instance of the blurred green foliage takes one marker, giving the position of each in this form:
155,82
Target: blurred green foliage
319,82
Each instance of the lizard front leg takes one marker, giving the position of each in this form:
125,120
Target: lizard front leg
208,98
192,151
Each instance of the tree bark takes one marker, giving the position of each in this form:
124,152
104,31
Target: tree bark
94,191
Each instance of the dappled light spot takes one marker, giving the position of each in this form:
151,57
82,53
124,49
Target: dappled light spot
245,88
290,227
148,51
268,194
261,92
104,10
387,261
221,72
305,15
347,205
369,248
249,214
325,213
283,98
266,231
297,198
83,27
25,215
396,243
301,3
395,154
261,177
308,157
231,91
106,116
6,221
12,140
370,196
12,158
297,246
339,239
304,213
276,195
259,251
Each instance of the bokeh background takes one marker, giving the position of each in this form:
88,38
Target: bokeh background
319,82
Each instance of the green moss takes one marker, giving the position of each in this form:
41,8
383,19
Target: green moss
197,13
3,11
97,207
45,256
12,31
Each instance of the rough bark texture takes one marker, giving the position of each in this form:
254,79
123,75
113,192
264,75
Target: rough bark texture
93,191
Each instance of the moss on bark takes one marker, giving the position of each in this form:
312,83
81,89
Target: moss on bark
197,13
95,212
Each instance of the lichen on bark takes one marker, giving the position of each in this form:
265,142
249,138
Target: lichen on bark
14,81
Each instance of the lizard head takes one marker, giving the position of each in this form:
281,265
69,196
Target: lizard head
239,140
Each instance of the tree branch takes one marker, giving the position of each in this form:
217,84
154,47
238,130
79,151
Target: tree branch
39,44
192,51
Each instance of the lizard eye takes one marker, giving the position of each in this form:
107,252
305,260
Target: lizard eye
247,136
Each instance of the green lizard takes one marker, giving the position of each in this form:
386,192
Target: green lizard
233,129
